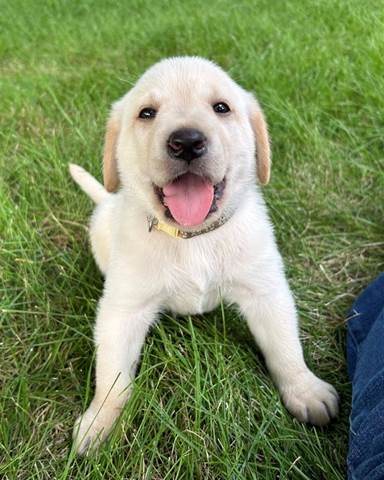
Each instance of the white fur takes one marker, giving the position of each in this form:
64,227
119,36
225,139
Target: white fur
149,272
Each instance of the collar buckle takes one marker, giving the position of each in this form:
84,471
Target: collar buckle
154,223
169,229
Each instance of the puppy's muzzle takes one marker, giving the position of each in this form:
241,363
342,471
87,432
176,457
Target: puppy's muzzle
186,144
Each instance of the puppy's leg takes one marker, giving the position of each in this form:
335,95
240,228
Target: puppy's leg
272,319
119,335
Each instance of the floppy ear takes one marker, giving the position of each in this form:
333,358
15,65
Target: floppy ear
110,173
260,131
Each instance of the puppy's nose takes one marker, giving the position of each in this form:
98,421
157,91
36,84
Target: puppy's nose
187,144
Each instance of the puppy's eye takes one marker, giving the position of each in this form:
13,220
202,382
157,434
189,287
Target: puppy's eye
147,113
221,107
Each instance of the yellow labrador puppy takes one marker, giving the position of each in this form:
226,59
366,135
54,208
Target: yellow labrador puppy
187,227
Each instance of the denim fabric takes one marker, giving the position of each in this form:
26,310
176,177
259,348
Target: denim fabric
365,355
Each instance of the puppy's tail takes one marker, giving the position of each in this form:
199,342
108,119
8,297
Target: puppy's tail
89,184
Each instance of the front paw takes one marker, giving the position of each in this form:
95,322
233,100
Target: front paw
93,427
310,399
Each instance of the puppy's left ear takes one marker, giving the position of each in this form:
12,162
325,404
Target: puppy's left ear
110,168
260,131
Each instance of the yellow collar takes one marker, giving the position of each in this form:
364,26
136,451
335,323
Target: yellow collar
154,223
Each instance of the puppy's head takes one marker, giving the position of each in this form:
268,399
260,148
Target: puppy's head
185,141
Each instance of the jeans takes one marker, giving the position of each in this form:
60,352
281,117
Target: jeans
365,358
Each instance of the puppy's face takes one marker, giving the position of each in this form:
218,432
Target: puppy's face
186,141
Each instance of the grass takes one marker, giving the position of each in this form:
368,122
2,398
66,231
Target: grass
204,406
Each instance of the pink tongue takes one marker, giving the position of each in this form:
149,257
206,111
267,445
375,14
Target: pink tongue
189,198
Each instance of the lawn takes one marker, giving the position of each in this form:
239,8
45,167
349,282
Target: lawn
204,406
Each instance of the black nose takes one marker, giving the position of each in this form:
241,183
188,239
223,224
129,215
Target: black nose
187,144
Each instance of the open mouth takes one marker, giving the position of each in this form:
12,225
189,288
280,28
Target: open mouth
190,199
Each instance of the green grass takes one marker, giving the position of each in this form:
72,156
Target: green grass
204,406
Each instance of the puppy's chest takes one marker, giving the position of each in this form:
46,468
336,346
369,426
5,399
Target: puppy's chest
193,289
193,297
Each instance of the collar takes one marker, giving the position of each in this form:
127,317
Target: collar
154,223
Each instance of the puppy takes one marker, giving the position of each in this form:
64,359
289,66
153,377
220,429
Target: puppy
187,227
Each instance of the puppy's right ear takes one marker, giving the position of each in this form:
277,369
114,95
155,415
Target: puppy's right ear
110,172
260,131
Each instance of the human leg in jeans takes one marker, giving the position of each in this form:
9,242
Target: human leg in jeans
365,352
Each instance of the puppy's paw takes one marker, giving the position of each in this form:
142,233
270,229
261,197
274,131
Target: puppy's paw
310,399
93,427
